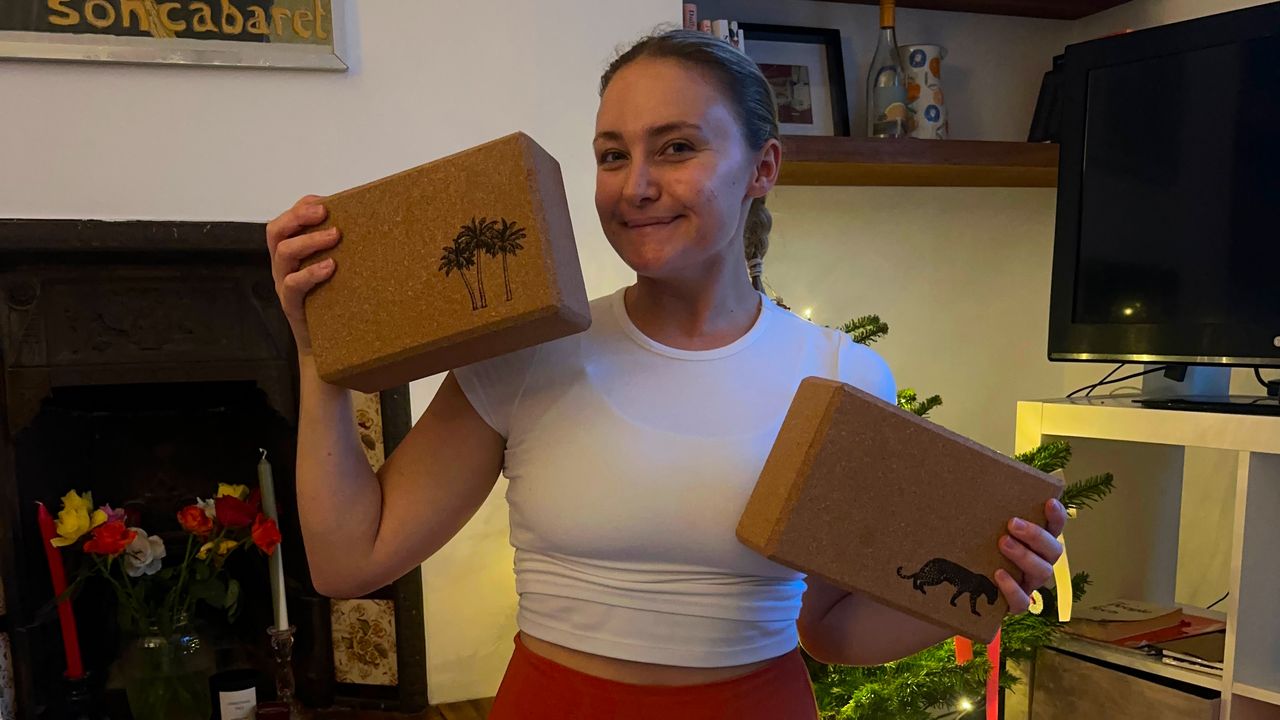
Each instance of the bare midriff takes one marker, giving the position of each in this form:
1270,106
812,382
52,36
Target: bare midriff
637,673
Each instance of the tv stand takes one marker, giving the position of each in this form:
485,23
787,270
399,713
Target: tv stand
1238,404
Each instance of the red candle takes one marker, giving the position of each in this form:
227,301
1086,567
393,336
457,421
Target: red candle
70,640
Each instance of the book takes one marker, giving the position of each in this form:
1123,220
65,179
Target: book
1209,649
1192,665
1118,619
1190,626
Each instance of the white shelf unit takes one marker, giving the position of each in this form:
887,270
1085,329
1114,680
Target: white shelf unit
1129,543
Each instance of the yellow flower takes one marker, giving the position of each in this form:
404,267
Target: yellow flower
76,518
75,501
240,492
224,547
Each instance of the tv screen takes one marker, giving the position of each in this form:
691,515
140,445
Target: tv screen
1168,243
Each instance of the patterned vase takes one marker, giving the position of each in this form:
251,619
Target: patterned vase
928,113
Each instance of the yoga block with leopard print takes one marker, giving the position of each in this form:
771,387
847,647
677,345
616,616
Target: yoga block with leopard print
446,264
873,499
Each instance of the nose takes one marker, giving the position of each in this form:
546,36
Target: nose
639,186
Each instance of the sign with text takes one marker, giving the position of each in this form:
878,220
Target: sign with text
252,33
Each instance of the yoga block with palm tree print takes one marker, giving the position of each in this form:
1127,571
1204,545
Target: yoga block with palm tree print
449,263
876,500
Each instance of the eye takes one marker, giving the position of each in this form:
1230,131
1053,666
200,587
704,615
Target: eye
610,156
678,147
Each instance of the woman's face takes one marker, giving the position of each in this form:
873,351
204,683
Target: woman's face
674,175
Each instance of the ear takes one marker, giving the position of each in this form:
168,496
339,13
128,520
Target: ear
765,173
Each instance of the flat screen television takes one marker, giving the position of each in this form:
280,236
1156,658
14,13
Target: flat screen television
1167,244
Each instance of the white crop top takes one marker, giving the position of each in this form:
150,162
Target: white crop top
629,464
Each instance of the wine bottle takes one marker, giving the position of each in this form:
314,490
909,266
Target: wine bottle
887,82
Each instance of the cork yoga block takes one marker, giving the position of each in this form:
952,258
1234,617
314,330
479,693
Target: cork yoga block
873,499
449,263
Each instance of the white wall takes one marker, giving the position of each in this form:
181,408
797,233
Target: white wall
426,79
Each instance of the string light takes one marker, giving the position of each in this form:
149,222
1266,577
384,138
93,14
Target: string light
808,314
966,704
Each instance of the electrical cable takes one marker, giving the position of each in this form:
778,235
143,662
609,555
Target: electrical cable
1159,368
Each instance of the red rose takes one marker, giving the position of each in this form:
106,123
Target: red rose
265,534
110,539
234,512
193,520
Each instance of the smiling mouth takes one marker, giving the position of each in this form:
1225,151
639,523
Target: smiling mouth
649,222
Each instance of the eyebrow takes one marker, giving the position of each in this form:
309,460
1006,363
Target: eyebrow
663,129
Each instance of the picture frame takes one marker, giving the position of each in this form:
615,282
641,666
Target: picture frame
265,34
805,66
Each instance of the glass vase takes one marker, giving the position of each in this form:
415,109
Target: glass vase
166,676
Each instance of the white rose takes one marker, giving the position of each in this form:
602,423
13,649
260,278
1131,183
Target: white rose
143,555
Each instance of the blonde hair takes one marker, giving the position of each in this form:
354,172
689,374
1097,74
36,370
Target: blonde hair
750,97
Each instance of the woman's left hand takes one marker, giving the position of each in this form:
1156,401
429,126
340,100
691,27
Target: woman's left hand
1034,550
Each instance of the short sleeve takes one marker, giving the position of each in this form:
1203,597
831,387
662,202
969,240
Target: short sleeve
863,368
494,386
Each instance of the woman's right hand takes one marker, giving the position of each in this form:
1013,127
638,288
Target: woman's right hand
290,243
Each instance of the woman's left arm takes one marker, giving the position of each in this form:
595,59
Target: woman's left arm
838,627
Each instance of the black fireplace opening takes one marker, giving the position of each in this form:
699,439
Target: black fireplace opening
150,449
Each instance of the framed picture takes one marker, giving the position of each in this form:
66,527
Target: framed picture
805,66
286,34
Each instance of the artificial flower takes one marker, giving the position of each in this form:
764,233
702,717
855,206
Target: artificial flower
223,547
114,514
207,507
265,534
193,519
239,492
234,512
144,554
76,501
76,518
110,539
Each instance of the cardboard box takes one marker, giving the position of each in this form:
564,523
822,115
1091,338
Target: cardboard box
445,264
876,500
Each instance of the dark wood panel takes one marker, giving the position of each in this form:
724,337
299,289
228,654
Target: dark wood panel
959,163
1056,9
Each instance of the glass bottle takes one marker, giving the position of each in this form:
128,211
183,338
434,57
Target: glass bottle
887,82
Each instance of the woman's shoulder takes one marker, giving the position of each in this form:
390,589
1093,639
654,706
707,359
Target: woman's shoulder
849,361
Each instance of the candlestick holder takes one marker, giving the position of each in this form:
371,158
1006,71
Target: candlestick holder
80,699
285,705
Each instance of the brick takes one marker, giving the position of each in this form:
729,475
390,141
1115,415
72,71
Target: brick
859,493
391,313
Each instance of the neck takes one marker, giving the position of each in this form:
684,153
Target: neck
701,312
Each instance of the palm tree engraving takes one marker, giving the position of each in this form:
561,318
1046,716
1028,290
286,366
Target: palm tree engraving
460,257
478,235
506,242
475,240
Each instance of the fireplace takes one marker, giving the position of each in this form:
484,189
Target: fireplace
147,362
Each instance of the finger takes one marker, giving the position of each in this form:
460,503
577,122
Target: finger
298,284
1035,570
292,251
1041,541
1056,513
289,222
1018,600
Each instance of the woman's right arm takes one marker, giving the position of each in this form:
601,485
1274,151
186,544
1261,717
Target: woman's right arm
364,530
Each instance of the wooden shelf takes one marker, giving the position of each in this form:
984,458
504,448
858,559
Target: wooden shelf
811,160
1055,9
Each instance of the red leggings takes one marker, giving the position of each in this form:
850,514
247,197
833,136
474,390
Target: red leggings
536,688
